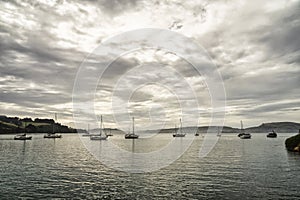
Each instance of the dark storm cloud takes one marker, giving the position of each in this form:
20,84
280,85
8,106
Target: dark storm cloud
282,36
36,73
243,37
36,99
258,57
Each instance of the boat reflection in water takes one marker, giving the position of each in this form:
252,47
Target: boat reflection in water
52,135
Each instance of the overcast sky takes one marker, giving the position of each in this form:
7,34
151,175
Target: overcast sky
254,44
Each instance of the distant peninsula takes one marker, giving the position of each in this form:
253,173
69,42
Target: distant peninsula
28,125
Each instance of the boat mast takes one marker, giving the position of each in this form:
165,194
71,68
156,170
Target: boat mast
180,126
133,125
242,127
101,125
55,117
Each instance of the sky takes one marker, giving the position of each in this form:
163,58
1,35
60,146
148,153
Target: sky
254,45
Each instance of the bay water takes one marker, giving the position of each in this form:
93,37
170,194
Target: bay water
259,168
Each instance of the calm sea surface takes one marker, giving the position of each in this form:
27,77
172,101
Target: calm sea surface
259,168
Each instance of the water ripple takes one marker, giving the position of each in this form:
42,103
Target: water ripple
63,168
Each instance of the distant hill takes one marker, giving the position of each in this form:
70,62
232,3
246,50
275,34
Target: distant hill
27,125
280,127
203,129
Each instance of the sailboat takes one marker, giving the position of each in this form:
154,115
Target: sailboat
100,136
246,136
22,136
131,135
241,130
180,133
242,134
272,134
53,134
109,134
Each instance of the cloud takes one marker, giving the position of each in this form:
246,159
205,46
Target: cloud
255,46
281,36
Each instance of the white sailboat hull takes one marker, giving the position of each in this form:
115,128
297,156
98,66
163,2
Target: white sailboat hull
98,137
